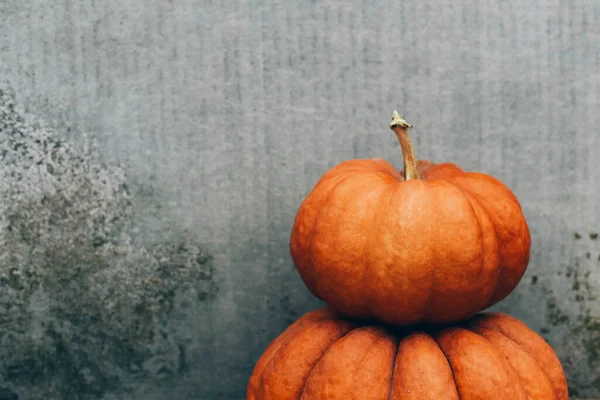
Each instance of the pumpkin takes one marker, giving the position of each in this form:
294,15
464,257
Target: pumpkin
323,356
430,244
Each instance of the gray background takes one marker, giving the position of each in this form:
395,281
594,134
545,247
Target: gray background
154,154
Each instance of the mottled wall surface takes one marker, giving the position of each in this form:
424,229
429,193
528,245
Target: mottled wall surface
153,154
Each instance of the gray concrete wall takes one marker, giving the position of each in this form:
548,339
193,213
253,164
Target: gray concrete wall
154,154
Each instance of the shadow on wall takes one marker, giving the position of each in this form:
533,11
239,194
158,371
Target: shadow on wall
84,304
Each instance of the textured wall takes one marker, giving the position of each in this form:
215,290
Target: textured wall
153,155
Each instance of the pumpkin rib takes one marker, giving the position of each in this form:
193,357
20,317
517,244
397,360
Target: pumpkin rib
364,305
500,353
460,397
506,361
481,235
281,347
391,390
341,172
505,370
532,343
435,339
431,340
320,358
366,247
368,346
343,177
427,303
469,176
301,330
332,174
484,249
521,349
390,262
500,245
431,294
472,199
288,334
529,349
378,339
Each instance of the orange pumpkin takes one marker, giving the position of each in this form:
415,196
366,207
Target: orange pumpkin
325,357
431,244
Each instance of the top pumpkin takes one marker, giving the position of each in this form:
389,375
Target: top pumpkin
432,244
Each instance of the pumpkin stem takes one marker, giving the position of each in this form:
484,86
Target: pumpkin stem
401,127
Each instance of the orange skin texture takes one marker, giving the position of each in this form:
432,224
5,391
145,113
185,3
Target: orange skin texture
323,356
436,250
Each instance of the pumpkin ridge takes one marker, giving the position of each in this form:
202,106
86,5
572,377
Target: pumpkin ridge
298,332
340,177
323,207
423,367
501,243
468,198
507,362
472,199
313,230
302,330
367,246
276,352
367,329
379,338
524,350
320,358
501,266
427,304
299,327
460,397
498,322
478,175
391,391
495,358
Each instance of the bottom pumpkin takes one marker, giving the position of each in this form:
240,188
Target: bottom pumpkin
324,356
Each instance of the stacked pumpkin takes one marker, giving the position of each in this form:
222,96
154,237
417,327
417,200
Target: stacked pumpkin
405,262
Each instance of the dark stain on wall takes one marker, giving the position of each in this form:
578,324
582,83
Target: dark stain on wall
574,325
85,304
